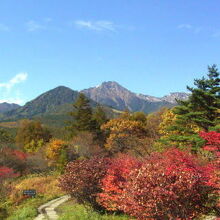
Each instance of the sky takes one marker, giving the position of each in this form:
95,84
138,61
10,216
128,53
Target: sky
152,47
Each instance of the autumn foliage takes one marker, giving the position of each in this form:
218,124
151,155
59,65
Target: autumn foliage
170,185
113,183
212,142
6,172
123,134
82,179
213,145
15,159
44,185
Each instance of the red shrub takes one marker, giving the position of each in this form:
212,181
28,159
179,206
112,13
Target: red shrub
114,181
19,154
213,144
6,172
82,179
14,159
169,185
212,141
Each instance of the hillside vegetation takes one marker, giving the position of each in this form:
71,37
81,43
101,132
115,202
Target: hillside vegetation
129,165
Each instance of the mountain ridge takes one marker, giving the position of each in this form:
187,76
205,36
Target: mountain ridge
4,107
113,94
58,101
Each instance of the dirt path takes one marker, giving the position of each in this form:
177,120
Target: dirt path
47,210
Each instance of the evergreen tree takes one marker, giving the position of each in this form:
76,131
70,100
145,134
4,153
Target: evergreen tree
82,116
199,112
99,116
202,106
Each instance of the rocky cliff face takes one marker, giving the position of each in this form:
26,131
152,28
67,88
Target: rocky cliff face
116,96
176,95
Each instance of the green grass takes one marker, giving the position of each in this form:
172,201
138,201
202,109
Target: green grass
25,213
73,211
28,209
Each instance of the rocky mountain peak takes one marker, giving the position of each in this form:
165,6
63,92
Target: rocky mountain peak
175,95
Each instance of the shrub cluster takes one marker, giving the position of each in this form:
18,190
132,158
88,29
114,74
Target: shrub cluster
169,185
82,179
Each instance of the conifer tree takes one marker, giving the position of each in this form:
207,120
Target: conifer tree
199,112
81,116
99,116
202,106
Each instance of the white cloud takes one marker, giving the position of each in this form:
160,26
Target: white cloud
96,25
8,94
185,26
190,27
34,26
13,100
15,80
3,27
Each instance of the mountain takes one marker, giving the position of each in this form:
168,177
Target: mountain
4,107
176,96
53,105
52,102
114,95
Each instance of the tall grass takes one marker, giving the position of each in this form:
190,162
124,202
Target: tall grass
25,213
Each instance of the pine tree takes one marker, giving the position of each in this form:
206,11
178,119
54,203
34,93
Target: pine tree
81,116
99,116
199,112
202,106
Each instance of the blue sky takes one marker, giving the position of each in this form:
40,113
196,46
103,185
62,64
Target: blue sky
152,47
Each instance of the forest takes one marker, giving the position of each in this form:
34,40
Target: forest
132,165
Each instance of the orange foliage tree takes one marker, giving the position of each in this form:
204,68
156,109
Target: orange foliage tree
56,153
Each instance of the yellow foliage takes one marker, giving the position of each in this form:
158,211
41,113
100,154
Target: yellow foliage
169,119
125,126
54,148
123,134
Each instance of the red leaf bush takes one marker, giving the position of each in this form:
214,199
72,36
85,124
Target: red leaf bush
213,145
6,172
169,185
115,179
212,141
14,159
82,179
19,154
